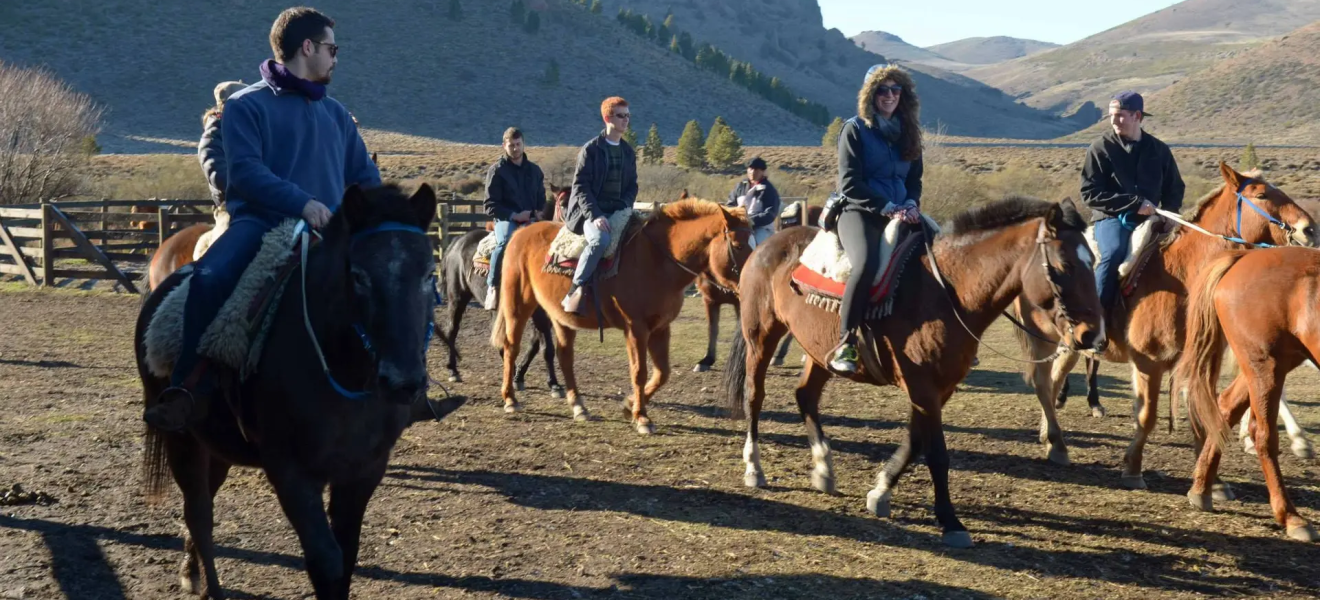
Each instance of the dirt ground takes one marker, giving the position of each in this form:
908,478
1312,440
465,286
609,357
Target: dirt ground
539,506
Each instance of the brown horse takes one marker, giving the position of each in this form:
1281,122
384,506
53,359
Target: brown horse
1146,329
176,252
659,261
1261,304
715,296
988,256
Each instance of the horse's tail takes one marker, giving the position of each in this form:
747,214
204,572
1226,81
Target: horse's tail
735,377
1198,369
154,469
497,333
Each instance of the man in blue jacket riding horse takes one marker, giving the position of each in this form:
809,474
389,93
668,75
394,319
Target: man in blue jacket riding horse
291,151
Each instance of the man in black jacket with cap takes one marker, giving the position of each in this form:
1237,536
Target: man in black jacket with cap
760,198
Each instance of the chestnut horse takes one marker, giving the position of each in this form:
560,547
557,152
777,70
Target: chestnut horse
1262,305
1146,328
659,260
715,296
176,251
988,256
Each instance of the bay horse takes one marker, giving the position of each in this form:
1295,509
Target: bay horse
373,276
989,255
174,253
462,285
1261,304
659,260
715,296
1146,328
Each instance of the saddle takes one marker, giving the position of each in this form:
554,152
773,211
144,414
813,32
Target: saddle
1147,239
481,260
235,338
566,248
793,215
824,269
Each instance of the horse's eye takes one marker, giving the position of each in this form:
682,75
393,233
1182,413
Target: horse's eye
1262,196
360,280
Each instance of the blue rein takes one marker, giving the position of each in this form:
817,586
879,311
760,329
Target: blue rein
361,331
1244,200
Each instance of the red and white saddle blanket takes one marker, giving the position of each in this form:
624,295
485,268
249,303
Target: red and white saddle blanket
824,268
567,247
481,260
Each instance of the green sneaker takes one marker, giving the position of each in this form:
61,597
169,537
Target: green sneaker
844,359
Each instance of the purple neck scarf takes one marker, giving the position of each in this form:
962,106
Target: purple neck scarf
278,77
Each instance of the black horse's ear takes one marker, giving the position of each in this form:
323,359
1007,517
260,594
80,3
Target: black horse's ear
1054,220
1072,217
355,206
423,205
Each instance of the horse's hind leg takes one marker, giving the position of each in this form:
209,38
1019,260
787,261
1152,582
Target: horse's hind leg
1093,388
1266,390
1233,404
807,395
458,302
199,477
520,378
638,339
877,500
1301,446
514,325
782,352
564,338
1146,406
541,322
658,346
756,365
348,502
1051,434
712,334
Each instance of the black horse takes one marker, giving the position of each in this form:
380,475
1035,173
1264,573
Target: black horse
373,276
462,285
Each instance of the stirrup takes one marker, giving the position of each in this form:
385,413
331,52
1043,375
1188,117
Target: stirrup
175,410
843,359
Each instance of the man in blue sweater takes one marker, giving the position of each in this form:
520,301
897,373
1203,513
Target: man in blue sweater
291,152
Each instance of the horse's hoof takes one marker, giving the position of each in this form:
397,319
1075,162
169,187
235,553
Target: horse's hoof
644,426
877,504
455,378
1098,412
700,368
557,391
580,413
1304,533
754,480
1059,456
1249,445
1134,482
190,585
1301,448
822,482
513,407
1222,492
957,539
519,386
1201,502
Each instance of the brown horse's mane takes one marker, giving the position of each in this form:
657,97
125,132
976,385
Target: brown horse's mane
694,208
1011,210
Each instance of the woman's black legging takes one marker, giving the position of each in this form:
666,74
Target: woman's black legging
860,233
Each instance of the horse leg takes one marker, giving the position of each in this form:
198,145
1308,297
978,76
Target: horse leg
931,428
541,321
1233,404
1059,371
1093,388
458,302
807,395
712,335
638,339
519,379
199,477
1146,411
782,353
348,502
300,497
1051,434
1266,389
514,325
877,500
756,368
1301,446
564,338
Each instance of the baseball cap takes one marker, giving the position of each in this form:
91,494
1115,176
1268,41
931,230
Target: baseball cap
1132,101
756,163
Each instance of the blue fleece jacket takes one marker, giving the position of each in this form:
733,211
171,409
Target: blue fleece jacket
284,149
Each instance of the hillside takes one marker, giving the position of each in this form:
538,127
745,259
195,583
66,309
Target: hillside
893,47
408,70
787,39
989,50
1267,95
1147,54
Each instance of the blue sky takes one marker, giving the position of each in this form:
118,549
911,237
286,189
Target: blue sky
929,22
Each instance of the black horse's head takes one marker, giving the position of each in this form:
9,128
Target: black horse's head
389,269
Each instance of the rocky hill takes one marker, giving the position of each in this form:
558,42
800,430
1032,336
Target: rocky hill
893,47
406,69
989,50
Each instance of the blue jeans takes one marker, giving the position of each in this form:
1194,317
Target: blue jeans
214,278
760,234
1113,240
597,242
503,231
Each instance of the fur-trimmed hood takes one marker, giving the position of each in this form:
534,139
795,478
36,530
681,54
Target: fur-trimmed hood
909,108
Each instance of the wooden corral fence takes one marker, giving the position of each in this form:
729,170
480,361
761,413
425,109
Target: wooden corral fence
90,240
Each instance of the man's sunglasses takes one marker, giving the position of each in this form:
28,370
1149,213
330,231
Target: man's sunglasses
883,90
334,48
625,116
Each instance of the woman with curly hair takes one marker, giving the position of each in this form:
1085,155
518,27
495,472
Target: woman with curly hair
880,179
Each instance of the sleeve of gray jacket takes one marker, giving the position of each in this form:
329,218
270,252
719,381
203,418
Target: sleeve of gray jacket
211,154
1100,191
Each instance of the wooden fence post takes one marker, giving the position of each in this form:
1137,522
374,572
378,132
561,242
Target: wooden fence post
47,244
162,225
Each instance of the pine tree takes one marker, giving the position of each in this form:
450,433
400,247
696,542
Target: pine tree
455,10
596,7
630,136
1249,159
518,12
552,74
533,23
723,145
654,151
831,139
691,147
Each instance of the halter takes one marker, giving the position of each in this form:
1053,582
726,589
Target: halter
305,234
1244,200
